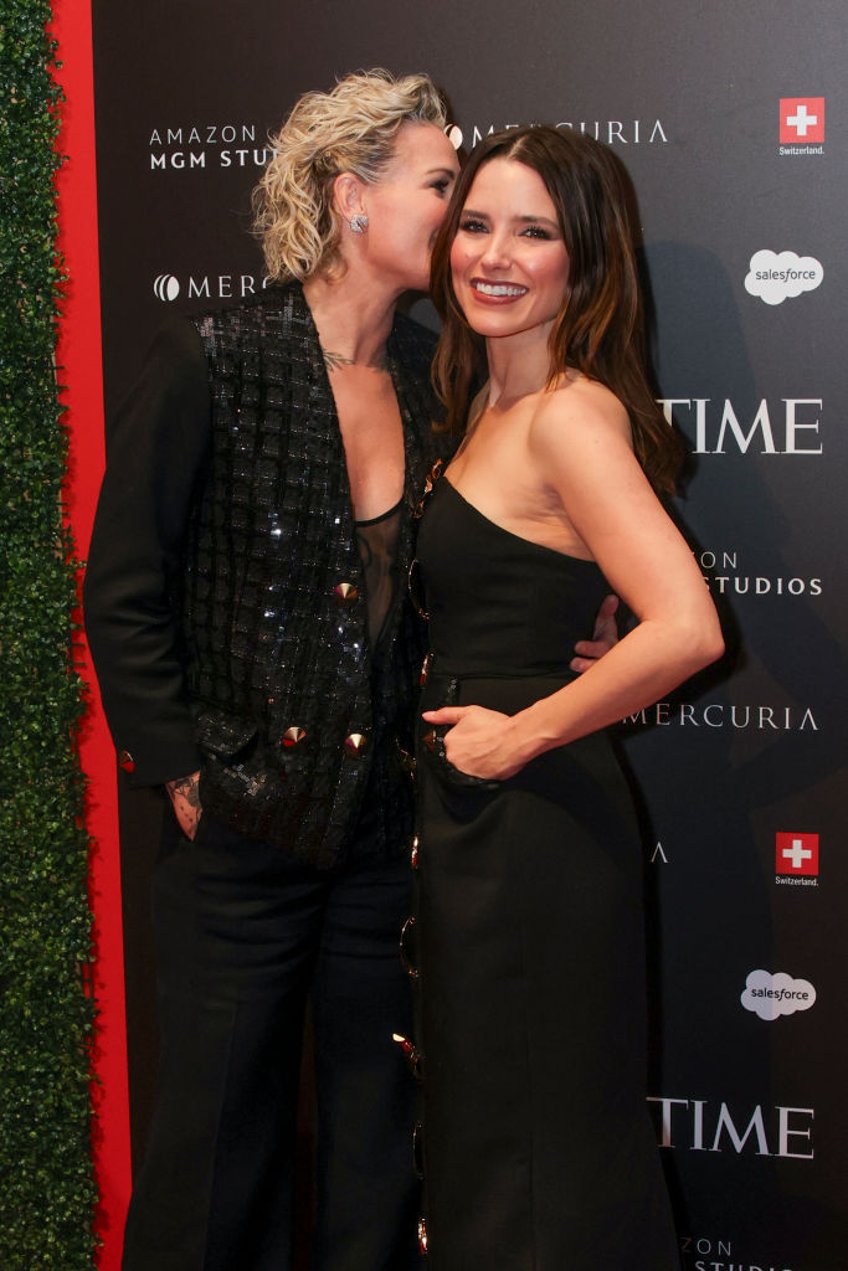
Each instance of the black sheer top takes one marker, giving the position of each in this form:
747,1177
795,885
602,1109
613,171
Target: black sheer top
378,541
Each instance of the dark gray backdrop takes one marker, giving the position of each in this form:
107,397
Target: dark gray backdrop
689,95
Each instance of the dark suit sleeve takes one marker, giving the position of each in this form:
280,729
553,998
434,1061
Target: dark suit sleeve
155,457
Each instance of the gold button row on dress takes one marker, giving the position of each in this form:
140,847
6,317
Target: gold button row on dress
411,1054
406,961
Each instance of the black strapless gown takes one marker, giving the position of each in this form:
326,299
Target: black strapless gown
539,1152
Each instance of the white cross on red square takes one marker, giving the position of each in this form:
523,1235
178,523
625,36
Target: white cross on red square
796,853
801,119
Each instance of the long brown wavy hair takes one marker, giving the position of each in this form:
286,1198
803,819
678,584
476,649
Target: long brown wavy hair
599,329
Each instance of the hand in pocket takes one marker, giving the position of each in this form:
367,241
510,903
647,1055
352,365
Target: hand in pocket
184,793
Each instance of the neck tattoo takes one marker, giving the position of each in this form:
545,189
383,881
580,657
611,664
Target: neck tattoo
338,361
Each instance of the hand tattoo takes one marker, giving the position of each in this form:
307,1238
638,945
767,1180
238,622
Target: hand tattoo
184,793
187,788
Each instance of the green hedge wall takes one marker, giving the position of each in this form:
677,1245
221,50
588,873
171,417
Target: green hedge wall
46,1185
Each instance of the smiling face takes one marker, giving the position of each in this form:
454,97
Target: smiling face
407,205
509,264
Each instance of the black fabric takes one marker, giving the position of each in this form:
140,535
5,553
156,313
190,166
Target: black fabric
539,1150
223,534
245,934
378,541
157,451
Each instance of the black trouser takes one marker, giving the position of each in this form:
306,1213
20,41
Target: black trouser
244,937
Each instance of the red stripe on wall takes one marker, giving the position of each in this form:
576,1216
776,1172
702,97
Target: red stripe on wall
80,371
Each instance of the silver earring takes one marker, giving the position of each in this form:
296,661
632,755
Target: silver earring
358,223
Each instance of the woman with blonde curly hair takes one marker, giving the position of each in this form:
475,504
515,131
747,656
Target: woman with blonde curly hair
257,658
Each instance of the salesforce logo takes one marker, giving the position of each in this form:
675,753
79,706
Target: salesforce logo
771,996
779,276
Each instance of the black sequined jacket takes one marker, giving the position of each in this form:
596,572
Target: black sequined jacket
224,594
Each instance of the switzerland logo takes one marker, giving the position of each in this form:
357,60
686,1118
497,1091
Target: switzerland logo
801,119
797,854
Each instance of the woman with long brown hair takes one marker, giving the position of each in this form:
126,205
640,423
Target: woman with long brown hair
538,1149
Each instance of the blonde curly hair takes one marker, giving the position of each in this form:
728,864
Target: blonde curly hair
352,128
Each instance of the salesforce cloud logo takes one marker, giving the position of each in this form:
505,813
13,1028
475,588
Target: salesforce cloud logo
770,996
779,276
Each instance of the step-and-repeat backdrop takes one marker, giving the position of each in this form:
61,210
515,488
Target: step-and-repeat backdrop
731,119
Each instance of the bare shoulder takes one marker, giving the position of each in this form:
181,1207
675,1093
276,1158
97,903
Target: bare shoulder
579,412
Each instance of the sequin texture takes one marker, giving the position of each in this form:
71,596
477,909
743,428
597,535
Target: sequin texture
274,613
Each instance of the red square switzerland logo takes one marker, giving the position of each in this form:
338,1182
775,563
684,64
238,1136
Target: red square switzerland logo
801,119
796,854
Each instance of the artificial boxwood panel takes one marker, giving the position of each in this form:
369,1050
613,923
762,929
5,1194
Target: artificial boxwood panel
46,1185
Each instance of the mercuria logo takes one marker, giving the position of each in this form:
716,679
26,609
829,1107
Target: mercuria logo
166,287
622,132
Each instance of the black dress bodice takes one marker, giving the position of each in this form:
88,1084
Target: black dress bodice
498,603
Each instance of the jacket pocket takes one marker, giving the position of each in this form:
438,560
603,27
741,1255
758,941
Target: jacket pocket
225,736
